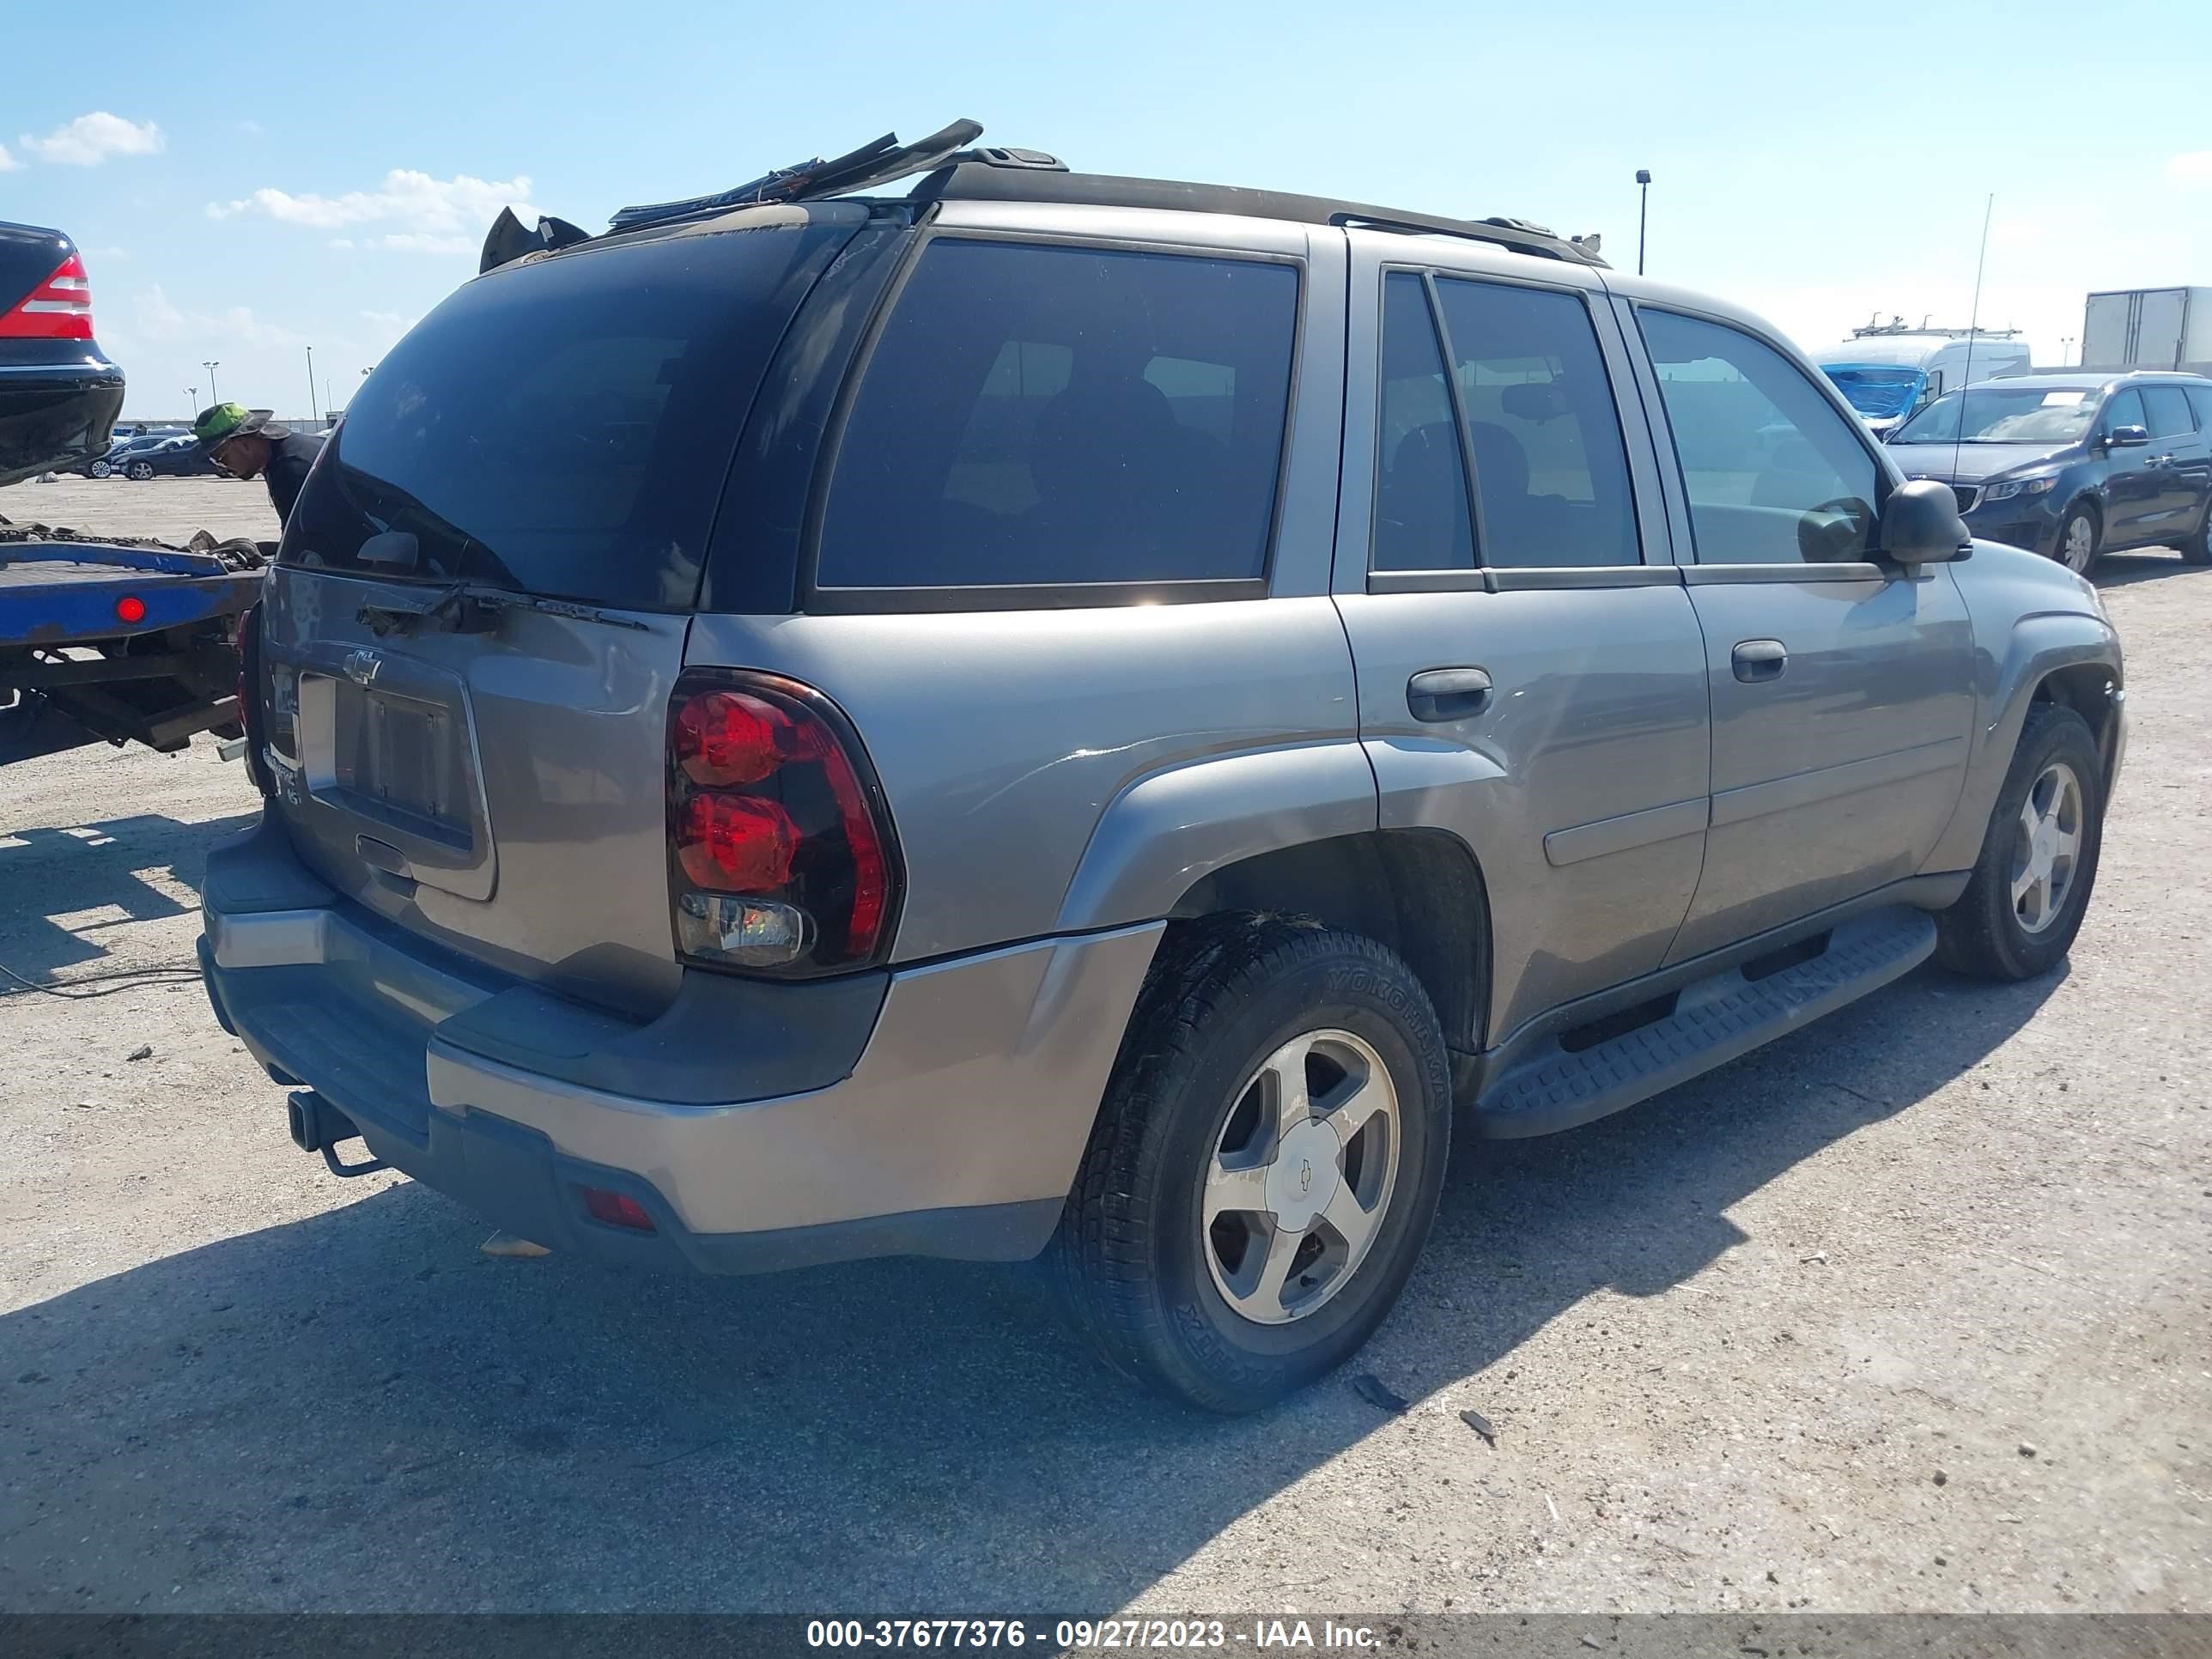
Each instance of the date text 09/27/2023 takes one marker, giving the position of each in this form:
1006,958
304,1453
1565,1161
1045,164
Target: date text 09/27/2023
1087,1634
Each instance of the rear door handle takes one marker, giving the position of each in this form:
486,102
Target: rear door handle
1448,694
1755,660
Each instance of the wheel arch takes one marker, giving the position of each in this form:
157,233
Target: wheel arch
1418,892
2068,657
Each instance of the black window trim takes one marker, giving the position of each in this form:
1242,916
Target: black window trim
1485,578
1670,457
814,599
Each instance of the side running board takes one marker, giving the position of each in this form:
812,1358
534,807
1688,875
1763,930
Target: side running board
1713,1021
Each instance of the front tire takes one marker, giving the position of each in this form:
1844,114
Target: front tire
2081,538
2031,885
1266,1164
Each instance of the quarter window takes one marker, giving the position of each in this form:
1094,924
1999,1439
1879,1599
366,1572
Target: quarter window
1047,416
1773,473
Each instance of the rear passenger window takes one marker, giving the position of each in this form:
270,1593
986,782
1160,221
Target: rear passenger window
1551,473
1036,416
2200,400
1774,474
1421,517
2168,408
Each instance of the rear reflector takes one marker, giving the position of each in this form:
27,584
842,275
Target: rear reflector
130,609
616,1209
59,309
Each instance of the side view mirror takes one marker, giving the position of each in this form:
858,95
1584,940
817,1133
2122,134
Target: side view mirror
1920,524
2127,437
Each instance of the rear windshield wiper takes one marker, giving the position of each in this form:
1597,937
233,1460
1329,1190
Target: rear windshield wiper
473,608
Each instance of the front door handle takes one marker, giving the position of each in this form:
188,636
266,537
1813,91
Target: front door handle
1755,660
1448,694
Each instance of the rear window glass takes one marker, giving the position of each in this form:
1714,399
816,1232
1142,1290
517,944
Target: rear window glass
1038,416
563,427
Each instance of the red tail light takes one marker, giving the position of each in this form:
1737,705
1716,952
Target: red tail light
250,717
59,309
781,849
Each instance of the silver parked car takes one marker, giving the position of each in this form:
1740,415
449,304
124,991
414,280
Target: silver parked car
1059,713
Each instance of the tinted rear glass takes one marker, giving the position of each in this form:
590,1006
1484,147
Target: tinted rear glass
563,427
1039,416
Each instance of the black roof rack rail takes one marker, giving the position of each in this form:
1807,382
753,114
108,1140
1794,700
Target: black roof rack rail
970,181
880,162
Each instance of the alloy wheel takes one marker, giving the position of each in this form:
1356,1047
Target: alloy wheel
2047,848
1301,1176
2080,545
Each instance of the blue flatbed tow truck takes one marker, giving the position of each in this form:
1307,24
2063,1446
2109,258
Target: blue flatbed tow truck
118,640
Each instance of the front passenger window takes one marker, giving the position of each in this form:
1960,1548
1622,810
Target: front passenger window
1774,474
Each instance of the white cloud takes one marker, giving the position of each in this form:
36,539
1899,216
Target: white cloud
419,214
2191,168
160,319
91,139
9,163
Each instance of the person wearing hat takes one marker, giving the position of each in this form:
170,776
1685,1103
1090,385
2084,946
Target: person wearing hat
245,443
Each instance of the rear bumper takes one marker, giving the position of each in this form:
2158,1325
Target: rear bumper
58,400
937,1110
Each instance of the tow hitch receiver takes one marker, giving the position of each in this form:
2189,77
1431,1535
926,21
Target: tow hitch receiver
318,1127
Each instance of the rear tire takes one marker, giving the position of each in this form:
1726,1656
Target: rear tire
99,469
2197,548
2081,538
1153,1258
2007,924
139,471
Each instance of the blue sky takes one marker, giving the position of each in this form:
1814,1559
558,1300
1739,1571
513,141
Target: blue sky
265,179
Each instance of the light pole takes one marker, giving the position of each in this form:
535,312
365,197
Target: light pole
1642,212
312,409
192,398
214,396
2065,350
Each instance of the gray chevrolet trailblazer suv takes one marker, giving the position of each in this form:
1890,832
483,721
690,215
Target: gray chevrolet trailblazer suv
1094,716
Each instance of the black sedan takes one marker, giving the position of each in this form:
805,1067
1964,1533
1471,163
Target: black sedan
2074,465
59,394
164,458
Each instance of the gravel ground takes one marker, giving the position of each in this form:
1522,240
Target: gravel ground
1906,1312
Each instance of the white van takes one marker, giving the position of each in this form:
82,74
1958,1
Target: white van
1888,373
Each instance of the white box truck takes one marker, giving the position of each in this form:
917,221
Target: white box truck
2148,328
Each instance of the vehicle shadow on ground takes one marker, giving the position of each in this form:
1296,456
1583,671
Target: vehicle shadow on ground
63,887
2148,564
360,1410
